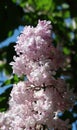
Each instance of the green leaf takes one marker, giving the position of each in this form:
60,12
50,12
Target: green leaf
12,80
66,51
66,14
44,4
65,6
10,33
4,97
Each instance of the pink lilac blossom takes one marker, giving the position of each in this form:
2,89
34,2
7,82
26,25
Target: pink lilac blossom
38,100
37,57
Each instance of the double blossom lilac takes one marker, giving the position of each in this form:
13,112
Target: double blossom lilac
38,100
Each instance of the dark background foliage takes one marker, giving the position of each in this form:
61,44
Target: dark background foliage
63,16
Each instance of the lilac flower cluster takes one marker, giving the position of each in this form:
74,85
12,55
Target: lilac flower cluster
38,100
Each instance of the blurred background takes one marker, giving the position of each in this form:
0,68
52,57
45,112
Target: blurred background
14,15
